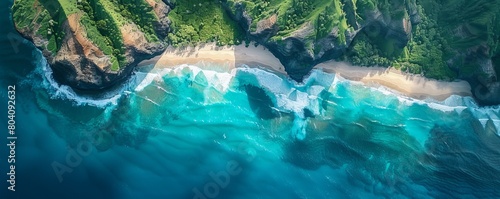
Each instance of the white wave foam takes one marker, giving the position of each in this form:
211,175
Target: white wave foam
454,103
299,128
321,78
58,91
483,121
291,96
271,81
496,122
143,80
218,80
318,81
305,94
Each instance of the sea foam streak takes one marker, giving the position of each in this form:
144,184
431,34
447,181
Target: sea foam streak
288,95
58,91
164,113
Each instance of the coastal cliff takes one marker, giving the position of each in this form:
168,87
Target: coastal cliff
445,40
92,45
95,44
326,35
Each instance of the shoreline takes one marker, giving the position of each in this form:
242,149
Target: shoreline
411,85
229,57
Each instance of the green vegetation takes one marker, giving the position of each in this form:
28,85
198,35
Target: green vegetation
436,40
141,13
292,14
108,24
56,12
364,53
424,53
44,17
332,16
195,21
427,52
101,20
448,28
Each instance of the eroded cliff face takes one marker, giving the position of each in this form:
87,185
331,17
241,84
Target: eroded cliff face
481,72
327,30
299,51
476,59
81,62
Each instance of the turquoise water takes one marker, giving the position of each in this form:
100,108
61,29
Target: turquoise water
245,133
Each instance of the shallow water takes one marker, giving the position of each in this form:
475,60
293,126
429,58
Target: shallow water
245,133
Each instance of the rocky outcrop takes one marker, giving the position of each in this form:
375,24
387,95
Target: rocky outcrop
299,53
84,66
483,75
161,9
484,81
413,12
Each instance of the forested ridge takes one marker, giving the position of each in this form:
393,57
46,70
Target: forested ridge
437,42
101,20
441,39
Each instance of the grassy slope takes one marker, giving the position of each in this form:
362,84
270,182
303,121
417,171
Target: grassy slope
431,45
294,13
44,17
104,10
140,13
195,21
429,48
434,41
101,19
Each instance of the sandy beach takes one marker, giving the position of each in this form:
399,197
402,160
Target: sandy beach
227,58
415,86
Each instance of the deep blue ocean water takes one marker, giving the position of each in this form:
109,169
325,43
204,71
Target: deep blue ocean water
246,133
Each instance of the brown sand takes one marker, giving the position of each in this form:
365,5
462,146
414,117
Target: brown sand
227,58
415,86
